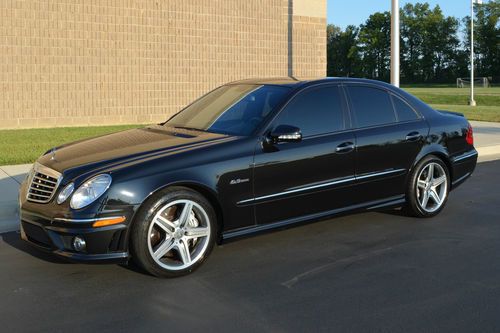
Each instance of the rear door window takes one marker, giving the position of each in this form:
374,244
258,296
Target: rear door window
371,106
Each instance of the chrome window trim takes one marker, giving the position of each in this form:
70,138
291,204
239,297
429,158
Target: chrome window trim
335,182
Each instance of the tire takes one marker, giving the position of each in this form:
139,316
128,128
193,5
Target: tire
435,188
173,232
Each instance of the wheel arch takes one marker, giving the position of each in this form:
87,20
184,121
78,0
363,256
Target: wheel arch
438,151
205,191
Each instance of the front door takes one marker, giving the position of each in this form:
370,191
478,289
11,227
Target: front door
313,176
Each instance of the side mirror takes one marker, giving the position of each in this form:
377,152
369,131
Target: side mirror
285,133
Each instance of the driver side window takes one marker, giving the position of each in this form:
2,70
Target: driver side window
315,111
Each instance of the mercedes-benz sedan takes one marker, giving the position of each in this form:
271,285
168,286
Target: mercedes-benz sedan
248,156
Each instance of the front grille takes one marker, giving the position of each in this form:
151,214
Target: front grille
43,183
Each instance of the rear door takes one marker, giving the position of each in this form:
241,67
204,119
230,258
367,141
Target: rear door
389,135
294,179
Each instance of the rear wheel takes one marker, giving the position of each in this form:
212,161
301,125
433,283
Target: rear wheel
173,233
428,187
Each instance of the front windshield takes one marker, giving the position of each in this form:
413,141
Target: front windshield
231,109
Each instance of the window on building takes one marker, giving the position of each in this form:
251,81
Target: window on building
371,106
315,111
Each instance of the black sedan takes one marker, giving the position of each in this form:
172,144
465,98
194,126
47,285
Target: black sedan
248,156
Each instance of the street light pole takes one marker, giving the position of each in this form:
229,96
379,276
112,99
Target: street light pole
472,102
395,43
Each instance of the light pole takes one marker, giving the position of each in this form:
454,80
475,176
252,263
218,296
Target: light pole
472,102
395,43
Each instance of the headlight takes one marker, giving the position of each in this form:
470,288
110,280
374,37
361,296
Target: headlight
65,193
90,191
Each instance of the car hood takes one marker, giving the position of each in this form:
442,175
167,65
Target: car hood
125,146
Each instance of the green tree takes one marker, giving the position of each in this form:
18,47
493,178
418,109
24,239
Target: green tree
430,44
431,49
375,43
412,25
486,38
440,46
342,51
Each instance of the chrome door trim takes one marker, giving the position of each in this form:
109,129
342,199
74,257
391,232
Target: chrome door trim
330,183
379,173
301,189
465,156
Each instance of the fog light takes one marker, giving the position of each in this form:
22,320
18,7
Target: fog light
79,244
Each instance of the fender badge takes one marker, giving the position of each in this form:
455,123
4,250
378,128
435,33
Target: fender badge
239,181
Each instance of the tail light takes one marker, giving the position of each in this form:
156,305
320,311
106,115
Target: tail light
469,137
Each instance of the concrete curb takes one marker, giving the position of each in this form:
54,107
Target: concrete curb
488,153
488,150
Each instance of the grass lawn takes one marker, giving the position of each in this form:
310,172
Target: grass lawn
456,99
26,145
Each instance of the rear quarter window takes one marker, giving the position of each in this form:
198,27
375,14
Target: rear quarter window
404,111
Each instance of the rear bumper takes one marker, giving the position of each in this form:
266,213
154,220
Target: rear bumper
463,165
103,244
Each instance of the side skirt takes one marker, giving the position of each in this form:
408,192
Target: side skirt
371,205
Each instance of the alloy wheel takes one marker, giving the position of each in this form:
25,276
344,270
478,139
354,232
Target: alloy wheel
179,234
432,187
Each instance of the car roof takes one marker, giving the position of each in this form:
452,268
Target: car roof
301,82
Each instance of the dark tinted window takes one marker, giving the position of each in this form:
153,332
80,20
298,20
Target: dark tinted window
314,111
404,111
231,109
371,106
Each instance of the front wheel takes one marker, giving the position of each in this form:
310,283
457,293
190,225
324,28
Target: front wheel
428,187
173,233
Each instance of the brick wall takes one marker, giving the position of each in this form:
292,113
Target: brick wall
95,62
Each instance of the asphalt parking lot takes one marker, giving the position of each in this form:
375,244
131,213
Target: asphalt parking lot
364,272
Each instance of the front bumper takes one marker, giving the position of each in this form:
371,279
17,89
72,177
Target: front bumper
53,227
103,244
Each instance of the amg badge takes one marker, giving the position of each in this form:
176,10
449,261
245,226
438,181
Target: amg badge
239,181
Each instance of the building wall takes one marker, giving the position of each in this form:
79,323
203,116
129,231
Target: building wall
96,62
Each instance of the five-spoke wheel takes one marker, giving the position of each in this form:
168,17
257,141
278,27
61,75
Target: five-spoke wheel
428,188
179,234
174,232
431,187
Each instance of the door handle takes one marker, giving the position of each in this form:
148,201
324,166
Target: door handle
413,136
345,147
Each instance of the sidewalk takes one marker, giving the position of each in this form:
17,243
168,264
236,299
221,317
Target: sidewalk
11,177
486,140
